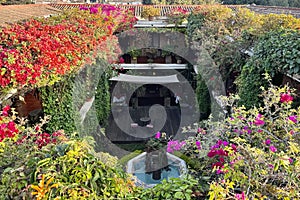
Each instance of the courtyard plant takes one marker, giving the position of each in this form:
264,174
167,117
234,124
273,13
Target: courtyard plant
149,12
38,165
252,154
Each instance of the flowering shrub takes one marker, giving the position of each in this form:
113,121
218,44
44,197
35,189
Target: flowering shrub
41,165
174,145
257,151
31,52
16,132
20,148
8,128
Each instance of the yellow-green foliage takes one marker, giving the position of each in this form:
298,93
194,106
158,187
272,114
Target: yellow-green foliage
107,159
214,12
243,19
282,21
81,175
150,11
266,163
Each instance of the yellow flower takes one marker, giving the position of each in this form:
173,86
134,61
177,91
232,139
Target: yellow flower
42,189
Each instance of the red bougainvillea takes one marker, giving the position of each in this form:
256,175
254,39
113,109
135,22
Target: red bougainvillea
39,52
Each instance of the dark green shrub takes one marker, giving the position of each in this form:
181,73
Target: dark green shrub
203,98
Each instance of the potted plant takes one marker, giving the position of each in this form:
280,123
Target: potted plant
150,12
134,54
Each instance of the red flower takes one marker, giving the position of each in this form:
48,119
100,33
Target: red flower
212,153
286,98
217,164
5,110
233,147
121,60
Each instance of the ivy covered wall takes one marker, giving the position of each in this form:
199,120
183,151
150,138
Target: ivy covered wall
63,100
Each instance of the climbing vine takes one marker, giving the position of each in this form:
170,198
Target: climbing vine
276,52
63,101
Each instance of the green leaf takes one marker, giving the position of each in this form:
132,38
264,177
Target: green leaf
179,195
96,176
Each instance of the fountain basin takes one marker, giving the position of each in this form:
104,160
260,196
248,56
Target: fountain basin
137,166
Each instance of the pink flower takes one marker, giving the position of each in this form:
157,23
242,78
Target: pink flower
5,110
198,144
225,143
93,10
286,98
273,149
212,153
121,60
259,121
268,141
271,166
293,118
174,145
291,160
233,147
157,135
240,196
222,160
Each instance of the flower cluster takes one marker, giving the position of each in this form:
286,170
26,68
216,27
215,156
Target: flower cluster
286,98
271,147
259,120
39,52
42,138
8,128
218,150
175,145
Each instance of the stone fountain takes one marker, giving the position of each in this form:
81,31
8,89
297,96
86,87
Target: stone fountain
150,168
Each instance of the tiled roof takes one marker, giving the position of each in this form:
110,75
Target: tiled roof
137,8
274,9
13,13
166,8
